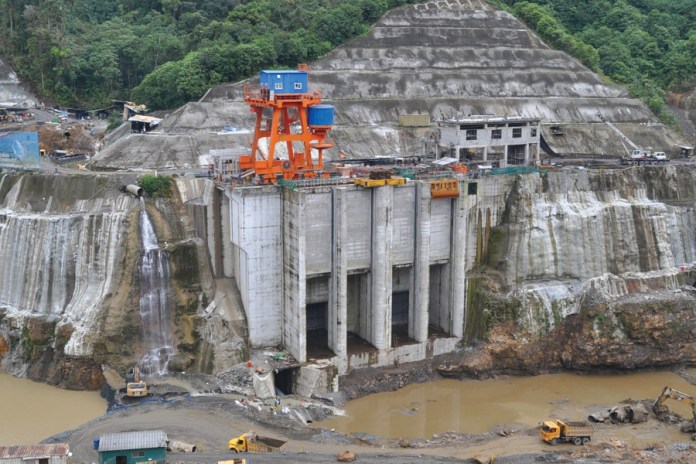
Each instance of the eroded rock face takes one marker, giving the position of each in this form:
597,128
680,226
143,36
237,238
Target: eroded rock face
583,270
69,247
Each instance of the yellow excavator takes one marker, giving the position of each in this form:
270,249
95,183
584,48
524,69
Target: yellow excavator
135,386
660,408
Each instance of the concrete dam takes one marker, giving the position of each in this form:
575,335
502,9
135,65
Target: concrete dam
338,277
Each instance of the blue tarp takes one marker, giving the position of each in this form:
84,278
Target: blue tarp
19,150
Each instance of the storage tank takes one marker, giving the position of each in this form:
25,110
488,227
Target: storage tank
320,116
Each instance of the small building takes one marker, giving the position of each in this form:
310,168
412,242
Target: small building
132,447
141,123
489,138
281,82
57,453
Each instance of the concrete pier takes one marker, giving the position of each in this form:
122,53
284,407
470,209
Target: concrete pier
350,276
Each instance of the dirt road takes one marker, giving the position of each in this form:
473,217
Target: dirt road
209,421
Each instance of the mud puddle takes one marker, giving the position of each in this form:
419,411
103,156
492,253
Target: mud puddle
31,411
477,406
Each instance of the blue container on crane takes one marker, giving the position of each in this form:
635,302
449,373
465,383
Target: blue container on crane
320,116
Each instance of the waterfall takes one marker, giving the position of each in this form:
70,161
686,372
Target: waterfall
156,300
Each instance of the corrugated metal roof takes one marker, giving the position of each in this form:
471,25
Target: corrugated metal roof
34,451
133,440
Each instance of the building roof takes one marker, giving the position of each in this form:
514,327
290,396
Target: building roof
146,119
141,439
34,451
486,118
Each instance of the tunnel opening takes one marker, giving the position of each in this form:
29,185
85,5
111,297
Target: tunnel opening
317,330
401,305
357,321
284,381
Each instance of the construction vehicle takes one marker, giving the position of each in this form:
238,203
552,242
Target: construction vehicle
660,408
250,442
639,155
6,116
297,119
135,386
555,432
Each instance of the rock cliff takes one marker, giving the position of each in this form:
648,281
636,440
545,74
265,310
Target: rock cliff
583,270
68,279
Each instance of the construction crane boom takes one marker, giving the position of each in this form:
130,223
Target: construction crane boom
620,134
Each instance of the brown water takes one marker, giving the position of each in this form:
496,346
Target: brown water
31,411
476,406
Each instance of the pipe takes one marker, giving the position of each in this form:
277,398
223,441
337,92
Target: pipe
135,190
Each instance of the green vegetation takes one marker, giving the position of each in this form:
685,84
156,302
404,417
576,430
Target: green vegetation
163,53
648,45
156,186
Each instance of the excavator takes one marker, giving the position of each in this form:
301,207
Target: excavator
660,408
135,386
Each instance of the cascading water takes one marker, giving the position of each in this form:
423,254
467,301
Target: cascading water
155,301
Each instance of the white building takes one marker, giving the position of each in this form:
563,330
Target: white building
483,138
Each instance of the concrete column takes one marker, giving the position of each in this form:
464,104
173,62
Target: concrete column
538,148
503,163
526,154
294,274
458,265
338,291
420,286
381,268
485,154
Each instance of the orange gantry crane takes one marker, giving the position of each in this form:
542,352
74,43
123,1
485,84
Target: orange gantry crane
287,111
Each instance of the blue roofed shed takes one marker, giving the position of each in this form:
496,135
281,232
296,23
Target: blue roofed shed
285,81
133,447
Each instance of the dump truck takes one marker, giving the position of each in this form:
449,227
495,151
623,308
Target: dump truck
250,442
555,432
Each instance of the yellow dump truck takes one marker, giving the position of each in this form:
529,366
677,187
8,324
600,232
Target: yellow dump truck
250,442
555,432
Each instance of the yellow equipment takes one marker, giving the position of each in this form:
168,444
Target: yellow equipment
556,432
250,442
659,406
134,386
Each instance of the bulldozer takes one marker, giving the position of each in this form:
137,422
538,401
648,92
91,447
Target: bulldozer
662,411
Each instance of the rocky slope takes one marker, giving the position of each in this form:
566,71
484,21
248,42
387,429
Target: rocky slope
68,279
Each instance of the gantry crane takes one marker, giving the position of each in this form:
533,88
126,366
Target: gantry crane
287,111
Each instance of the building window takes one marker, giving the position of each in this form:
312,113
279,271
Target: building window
533,132
471,134
138,454
279,86
496,134
517,133
298,85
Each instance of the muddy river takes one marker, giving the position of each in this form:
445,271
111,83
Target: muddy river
476,406
31,411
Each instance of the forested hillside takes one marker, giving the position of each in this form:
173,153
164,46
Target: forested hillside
648,45
166,52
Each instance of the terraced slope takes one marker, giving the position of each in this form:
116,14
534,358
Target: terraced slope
443,58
